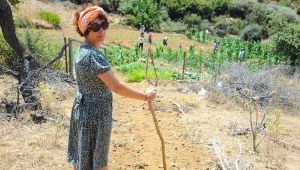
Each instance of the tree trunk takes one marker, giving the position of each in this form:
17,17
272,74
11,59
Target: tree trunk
28,61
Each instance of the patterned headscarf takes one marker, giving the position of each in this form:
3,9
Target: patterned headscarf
88,15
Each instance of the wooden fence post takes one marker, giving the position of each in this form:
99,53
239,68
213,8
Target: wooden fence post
66,56
71,59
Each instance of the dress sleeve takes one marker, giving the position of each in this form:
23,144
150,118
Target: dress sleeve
98,64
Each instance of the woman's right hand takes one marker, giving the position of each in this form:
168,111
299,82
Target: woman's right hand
150,93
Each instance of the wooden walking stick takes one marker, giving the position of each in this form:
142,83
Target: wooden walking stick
152,109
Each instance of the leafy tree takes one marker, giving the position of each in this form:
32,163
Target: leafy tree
287,42
145,12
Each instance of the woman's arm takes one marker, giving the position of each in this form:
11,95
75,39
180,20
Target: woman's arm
116,86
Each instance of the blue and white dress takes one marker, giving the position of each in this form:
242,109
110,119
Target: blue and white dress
91,118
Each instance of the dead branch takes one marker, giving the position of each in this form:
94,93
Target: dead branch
57,57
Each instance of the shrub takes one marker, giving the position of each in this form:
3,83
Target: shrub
192,19
241,8
258,14
171,26
287,42
43,49
145,12
127,6
287,11
231,25
252,32
221,7
275,23
178,9
50,17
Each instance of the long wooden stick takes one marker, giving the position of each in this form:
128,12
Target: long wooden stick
153,112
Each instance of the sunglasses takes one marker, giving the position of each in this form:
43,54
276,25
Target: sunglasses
96,27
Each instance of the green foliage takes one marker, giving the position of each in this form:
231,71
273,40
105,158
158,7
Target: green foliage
287,11
144,12
135,72
178,9
171,26
275,23
43,49
258,14
119,56
8,57
287,42
50,17
230,25
252,32
256,53
241,8
221,7
127,6
192,19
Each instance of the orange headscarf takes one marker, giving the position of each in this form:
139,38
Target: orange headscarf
88,15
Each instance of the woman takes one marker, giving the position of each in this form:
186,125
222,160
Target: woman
91,119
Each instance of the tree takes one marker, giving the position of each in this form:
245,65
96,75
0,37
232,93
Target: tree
28,61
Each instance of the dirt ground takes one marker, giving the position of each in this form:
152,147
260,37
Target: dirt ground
135,143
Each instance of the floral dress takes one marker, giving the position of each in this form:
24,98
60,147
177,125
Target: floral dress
91,118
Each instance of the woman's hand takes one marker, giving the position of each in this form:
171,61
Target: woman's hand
150,93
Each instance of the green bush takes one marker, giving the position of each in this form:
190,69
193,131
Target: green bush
192,19
275,22
221,7
258,14
178,9
287,42
252,32
171,26
43,49
50,17
241,8
287,11
230,25
127,6
145,12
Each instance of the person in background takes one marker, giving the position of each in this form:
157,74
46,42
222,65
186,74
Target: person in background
150,37
91,116
141,43
242,55
165,41
216,46
142,30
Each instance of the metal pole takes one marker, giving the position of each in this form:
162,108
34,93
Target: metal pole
66,56
71,59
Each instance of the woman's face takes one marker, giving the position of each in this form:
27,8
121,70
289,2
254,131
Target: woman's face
99,35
